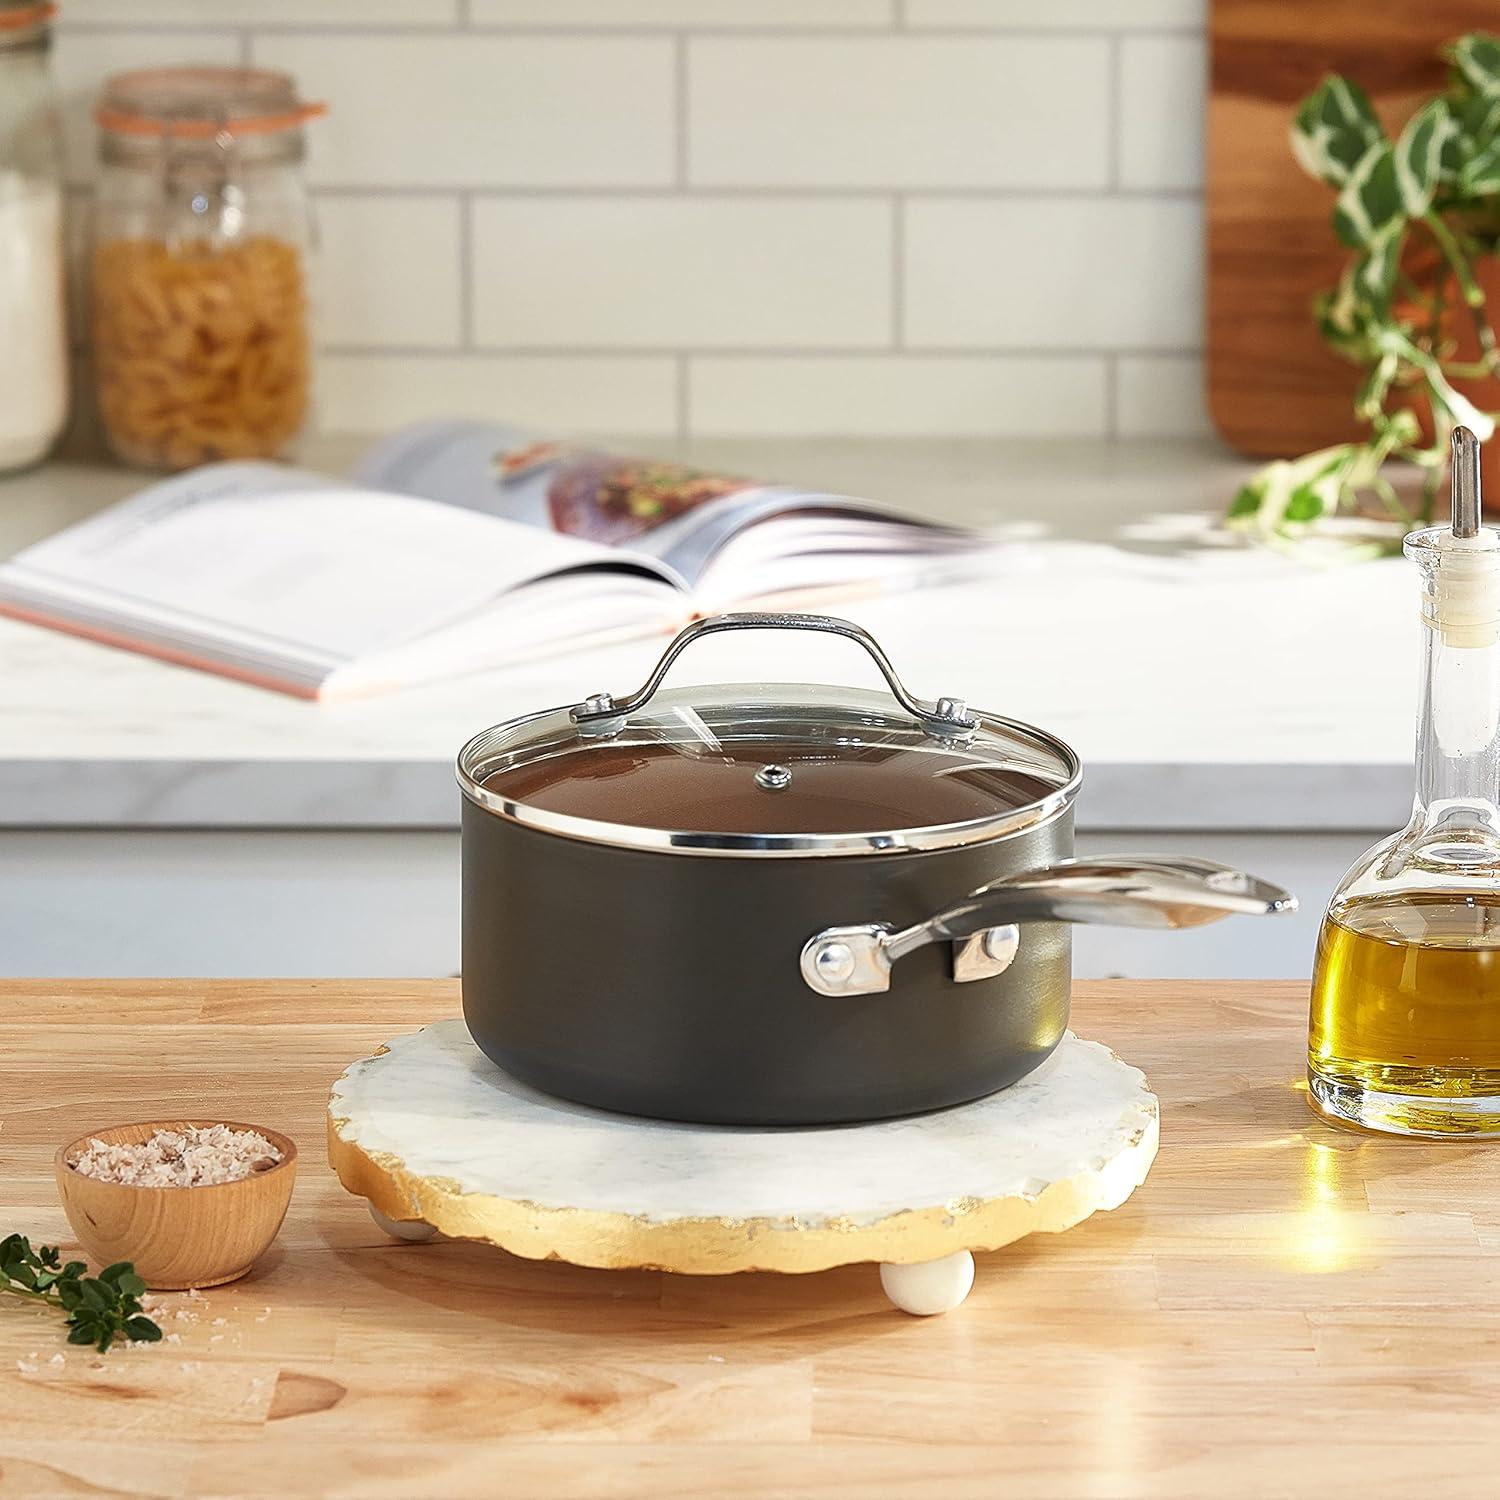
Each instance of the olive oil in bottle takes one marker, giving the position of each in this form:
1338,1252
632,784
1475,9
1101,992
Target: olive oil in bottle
1406,1004
1404,1029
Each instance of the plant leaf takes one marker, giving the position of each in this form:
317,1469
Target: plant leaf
1375,272
1333,128
1479,174
1246,502
1418,154
1478,117
1370,200
1306,504
142,1330
1477,58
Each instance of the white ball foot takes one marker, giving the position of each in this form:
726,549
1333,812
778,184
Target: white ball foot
403,1229
933,1286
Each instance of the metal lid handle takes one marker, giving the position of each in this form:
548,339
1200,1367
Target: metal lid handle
602,713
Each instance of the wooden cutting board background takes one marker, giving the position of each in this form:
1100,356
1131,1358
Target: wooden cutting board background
1273,389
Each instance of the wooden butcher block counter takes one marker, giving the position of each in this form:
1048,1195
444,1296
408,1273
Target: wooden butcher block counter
1282,1308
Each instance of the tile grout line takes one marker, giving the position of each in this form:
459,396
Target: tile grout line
1026,352
707,192
680,74
598,30
898,272
1113,115
466,331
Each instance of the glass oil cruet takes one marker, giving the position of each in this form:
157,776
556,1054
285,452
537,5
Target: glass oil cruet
1405,1021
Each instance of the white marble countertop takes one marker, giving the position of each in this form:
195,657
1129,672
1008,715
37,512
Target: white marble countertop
1229,691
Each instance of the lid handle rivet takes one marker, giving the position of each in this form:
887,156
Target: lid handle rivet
773,778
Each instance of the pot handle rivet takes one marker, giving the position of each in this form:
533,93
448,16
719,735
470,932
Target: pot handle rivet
773,778
835,962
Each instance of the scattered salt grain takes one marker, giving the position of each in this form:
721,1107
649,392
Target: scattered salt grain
26,1367
219,1323
58,1359
197,1156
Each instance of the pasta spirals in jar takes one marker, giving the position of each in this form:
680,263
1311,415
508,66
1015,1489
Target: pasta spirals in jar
200,353
199,266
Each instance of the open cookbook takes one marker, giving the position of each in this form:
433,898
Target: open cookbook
455,547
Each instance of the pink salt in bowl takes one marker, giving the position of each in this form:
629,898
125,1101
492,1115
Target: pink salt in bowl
177,1237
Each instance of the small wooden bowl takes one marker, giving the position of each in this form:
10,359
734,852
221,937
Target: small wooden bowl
178,1237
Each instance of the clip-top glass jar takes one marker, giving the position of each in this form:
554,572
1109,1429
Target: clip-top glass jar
33,323
202,236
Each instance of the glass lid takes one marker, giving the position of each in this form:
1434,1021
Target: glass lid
749,768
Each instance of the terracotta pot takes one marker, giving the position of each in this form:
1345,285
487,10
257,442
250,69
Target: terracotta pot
1426,266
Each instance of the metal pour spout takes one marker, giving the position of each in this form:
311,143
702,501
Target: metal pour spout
1467,501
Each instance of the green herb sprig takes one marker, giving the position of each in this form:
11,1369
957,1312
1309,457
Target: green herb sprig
100,1308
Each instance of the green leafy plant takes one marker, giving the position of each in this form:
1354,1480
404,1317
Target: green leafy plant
1428,199
100,1308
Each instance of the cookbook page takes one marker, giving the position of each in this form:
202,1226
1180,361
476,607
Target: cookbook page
682,517
265,556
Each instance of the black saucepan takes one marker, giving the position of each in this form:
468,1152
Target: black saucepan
773,904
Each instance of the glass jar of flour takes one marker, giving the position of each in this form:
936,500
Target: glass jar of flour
33,318
199,266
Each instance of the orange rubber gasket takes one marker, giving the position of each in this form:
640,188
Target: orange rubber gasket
119,122
27,15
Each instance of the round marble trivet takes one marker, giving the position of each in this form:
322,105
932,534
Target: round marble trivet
434,1134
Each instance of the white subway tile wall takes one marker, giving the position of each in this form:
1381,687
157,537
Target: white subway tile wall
1055,273
898,111
897,395
682,273
1160,395
390,271
740,217
1162,88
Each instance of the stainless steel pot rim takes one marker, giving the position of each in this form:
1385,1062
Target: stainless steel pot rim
1000,825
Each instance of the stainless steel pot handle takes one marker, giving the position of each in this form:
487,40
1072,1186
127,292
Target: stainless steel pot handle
1130,891
602,713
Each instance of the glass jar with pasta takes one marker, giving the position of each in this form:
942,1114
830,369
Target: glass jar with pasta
199,266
